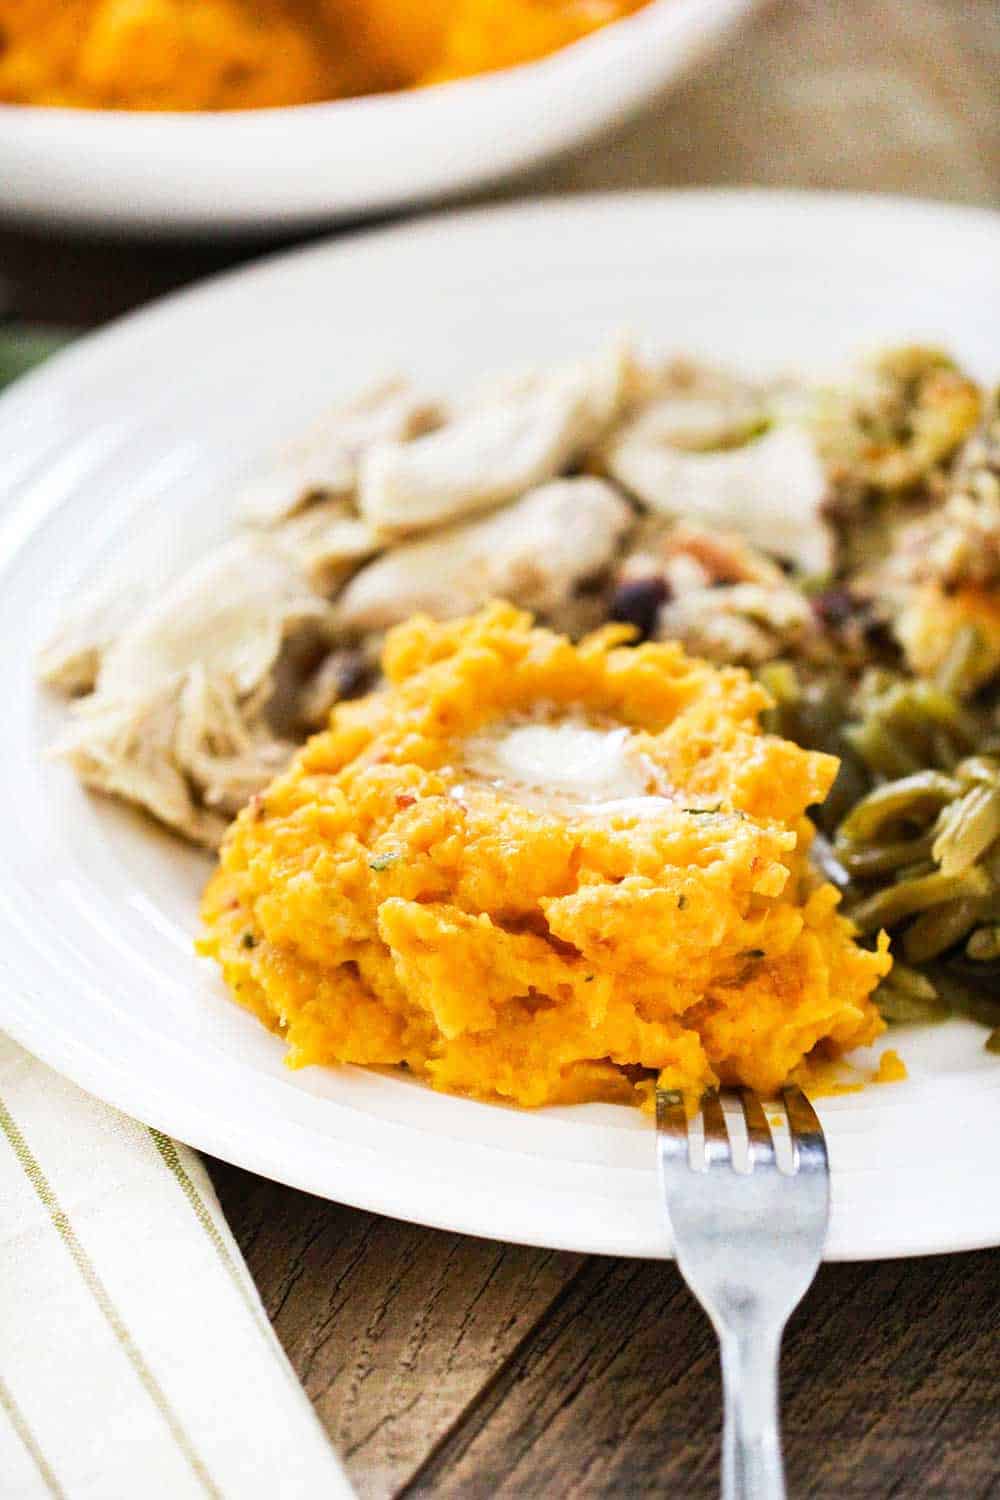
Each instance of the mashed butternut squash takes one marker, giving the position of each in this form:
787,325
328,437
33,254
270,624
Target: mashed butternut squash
538,871
234,54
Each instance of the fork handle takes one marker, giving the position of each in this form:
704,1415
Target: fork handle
752,1468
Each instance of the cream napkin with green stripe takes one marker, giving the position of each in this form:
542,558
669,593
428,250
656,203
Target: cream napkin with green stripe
136,1361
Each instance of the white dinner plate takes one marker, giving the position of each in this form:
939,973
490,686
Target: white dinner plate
277,168
118,459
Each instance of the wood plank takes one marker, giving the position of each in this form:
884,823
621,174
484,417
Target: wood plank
393,1329
889,1380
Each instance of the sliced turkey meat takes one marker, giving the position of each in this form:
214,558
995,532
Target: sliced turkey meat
229,614
532,552
71,659
770,490
188,752
327,542
495,452
323,463
127,749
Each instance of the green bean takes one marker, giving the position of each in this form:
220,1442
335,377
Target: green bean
965,998
903,1009
886,908
967,828
916,871
946,753
882,750
947,711
909,796
914,824
921,707
852,783
984,944
979,768
940,928
867,861
911,982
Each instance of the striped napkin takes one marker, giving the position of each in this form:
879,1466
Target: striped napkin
136,1360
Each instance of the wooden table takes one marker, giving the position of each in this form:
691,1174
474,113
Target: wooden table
455,1367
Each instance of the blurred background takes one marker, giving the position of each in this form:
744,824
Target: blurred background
894,96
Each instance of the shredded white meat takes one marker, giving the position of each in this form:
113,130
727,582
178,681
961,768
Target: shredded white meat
664,495
533,552
771,490
327,542
494,452
177,721
71,659
323,463
229,614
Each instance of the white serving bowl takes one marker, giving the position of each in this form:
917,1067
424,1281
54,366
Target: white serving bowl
282,168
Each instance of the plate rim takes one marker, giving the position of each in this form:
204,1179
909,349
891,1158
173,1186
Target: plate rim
979,217
90,1072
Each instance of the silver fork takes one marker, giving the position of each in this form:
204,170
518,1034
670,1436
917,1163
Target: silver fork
748,1237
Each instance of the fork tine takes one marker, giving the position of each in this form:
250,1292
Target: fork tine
671,1124
759,1138
717,1145
808,1141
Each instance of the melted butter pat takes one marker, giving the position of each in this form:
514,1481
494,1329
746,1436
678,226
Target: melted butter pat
568,767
